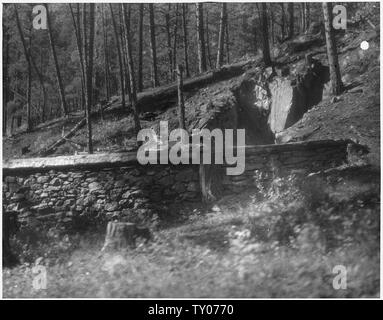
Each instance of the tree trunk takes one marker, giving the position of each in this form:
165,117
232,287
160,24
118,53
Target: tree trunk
140,45
336,80
272,24
89,75
175,42
181,105
290,8
57,67
42,89
282,20
129,57
184,25
6,38
106,58
208,53
265,37
307,15
200,38
169,42
124,54
29,89
119,55
153,45
221,37
227,42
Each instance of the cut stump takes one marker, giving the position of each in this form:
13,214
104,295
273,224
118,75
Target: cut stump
122,235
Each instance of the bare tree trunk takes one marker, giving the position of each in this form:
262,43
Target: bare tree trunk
169,41
227,42
175,42
119,55
184,25
272,24
89,76
153,45
106,58
208,40
336,80
265,36
307,15
57,67
290,9
6,38
129,57
140,45
42,89
221,37
29,89
200,38
282,20
124,54
181,105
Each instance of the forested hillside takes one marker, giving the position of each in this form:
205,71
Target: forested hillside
80,81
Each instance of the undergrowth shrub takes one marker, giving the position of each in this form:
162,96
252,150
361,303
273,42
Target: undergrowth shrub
303,212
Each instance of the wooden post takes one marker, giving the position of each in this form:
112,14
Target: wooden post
181,106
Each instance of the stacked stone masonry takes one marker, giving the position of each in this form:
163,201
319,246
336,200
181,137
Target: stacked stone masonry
64,192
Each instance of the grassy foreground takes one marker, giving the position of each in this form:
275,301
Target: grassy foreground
284,243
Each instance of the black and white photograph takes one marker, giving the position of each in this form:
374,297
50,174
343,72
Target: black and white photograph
170,150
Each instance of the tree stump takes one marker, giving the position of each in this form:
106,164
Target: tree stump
121,235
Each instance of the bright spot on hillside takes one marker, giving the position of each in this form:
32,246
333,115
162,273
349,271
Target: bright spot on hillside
364,45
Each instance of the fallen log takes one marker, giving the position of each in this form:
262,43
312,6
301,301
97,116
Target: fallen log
159,98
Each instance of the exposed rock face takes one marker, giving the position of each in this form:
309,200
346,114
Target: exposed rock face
286,99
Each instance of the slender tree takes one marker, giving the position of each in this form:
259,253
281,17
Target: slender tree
221,37
290,9
227,40
129,57
29,87
6,38
181,105
282,20
307,15
336,80
169,41
185,32
153,45
175,41
88,55
124,53
57,66
119,55
106,56
140,46
200,38
208,53
265,36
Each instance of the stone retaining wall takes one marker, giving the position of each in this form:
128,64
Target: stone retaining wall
137,193
67,190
